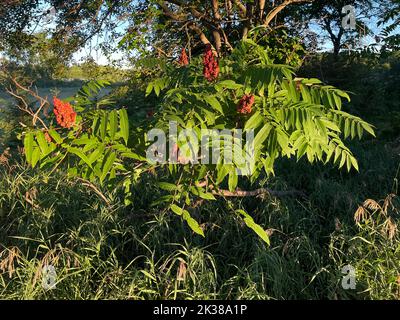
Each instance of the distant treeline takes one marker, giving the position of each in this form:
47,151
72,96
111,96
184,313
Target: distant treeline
91,70
45,74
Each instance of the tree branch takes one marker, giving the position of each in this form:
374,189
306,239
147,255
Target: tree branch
93,187
253,193
183,18
273,13
199,32
215,5
257,192
216,25
247,22
34,114
261,5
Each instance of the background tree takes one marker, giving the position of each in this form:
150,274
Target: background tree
390,17
221,23
328,15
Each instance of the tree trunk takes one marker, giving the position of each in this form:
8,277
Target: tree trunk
336,48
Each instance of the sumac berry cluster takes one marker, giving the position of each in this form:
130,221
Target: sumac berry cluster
65,114
210,63
183,59
245,105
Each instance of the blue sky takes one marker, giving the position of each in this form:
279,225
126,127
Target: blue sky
90,50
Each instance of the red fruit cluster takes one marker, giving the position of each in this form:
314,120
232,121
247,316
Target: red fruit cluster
211,67
47,137
183,59
65,114
246,104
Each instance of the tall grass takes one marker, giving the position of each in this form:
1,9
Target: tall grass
103,251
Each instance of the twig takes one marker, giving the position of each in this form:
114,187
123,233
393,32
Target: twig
35,115
253,193
258,192
96,190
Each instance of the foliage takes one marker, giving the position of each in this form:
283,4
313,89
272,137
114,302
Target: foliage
373,83
390,18
99,140
291,117
8,126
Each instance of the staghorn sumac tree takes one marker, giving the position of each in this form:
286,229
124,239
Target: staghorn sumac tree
289,116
